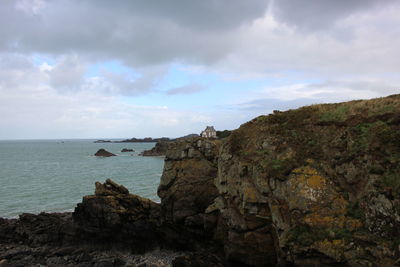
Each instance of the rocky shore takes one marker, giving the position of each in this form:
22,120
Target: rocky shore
316,186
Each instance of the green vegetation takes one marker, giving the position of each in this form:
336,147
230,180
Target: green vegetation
354,211
306,235
362,108
223,134
361,138
339,114
303,235
235,140
373,135
391,181
278,168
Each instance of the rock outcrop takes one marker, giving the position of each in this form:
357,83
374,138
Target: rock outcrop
106,229
160,149
127,150
103,153
115,217
187,188
315,186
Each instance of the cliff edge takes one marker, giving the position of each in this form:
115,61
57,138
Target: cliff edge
314,186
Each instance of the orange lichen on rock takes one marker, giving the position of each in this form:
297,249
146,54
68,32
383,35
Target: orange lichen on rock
250,195
333,248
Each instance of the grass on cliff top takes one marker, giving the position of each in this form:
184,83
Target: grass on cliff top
336,133
338,112
365,108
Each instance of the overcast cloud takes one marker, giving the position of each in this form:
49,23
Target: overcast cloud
284,53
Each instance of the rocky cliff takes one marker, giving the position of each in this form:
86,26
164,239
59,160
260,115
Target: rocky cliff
316,186
187,187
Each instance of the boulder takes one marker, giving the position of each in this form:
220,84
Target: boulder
113,216
103,153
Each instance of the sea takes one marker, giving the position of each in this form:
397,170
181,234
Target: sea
54,175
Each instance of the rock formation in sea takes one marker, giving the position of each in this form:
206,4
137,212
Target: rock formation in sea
315,186
103,153
127,150
159,149
102,141
143,140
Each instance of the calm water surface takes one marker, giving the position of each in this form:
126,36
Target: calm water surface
54,175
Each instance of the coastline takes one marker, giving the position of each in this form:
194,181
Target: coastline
306,187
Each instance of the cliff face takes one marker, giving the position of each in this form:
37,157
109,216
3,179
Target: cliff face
314,186
187,185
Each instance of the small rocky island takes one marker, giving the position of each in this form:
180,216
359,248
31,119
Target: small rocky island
127,150
315,186
103,153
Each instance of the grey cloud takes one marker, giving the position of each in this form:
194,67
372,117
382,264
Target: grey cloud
210,15
324,92
267,105
67,74
122,83
186,89
137,32
18,72
380,87
321,14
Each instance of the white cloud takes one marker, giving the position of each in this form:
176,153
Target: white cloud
349,52
67,74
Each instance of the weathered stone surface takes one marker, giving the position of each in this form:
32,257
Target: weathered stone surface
115,216
187,186
103,153
317,186
104,230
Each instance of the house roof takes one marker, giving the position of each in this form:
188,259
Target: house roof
209,128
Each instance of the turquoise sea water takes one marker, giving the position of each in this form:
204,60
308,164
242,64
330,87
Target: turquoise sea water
54,175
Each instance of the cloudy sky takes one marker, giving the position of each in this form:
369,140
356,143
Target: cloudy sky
116,69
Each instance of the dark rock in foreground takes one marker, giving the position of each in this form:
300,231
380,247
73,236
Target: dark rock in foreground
106,229
103,153
127,150
113,216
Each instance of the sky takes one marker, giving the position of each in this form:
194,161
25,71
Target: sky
121,69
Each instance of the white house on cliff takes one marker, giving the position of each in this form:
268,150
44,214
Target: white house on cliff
209,132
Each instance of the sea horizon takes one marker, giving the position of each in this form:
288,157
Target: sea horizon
52,176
